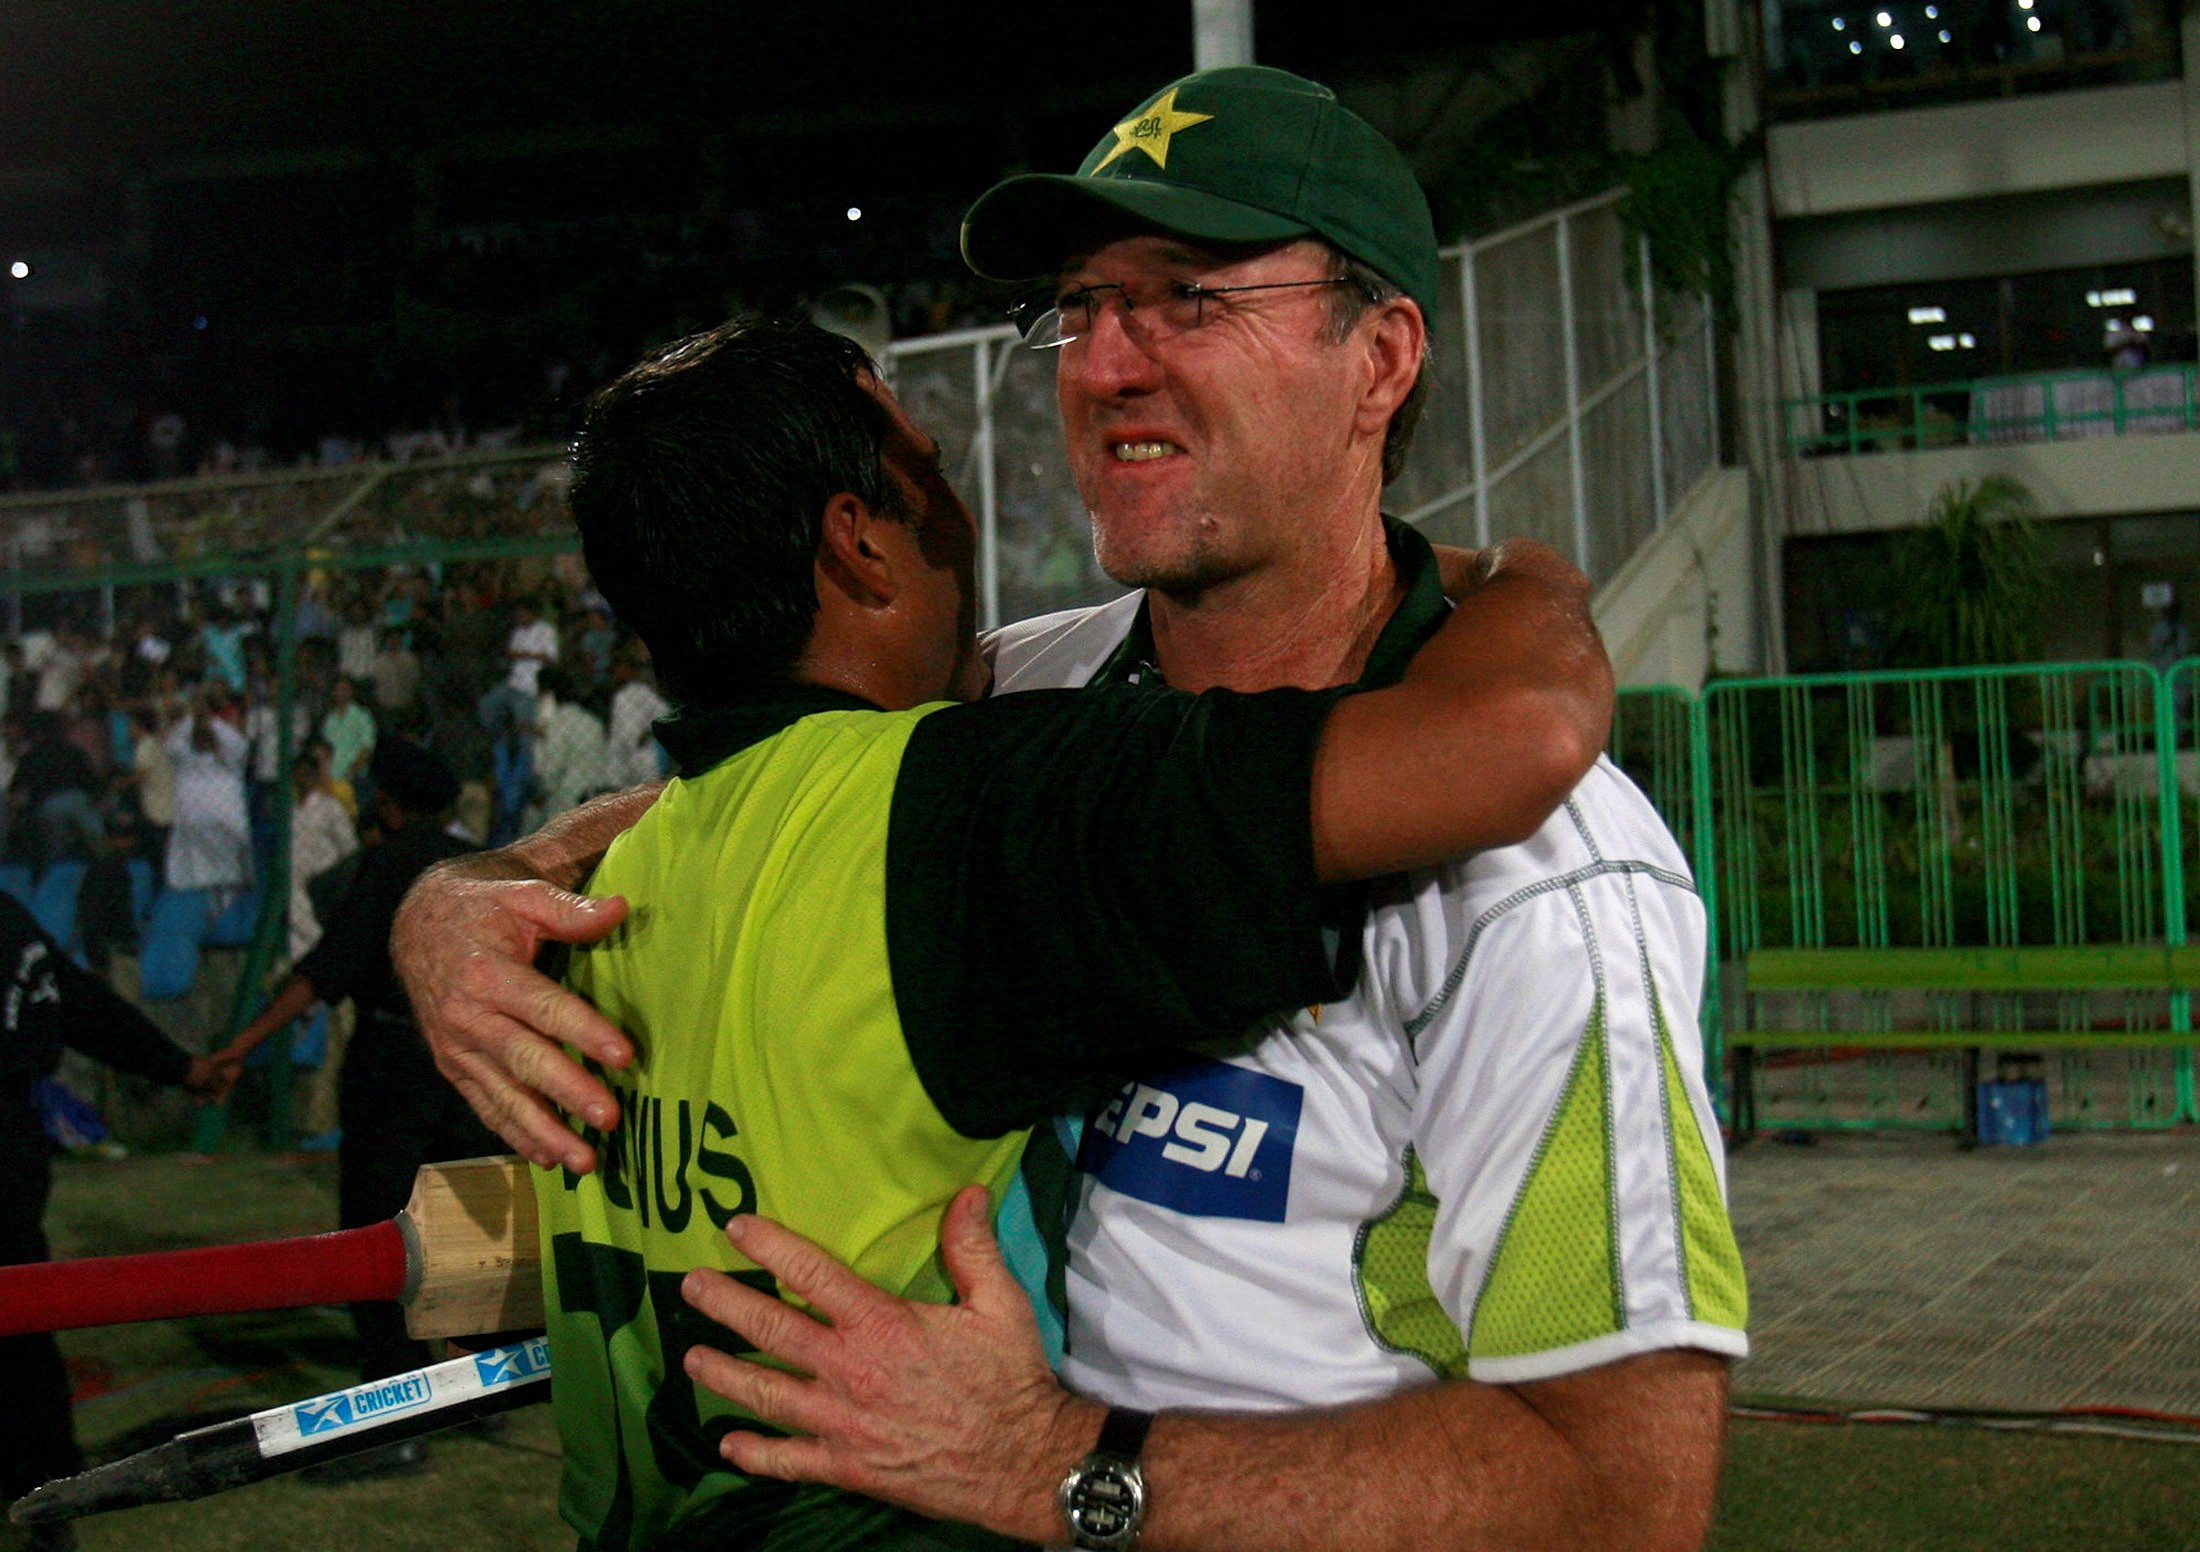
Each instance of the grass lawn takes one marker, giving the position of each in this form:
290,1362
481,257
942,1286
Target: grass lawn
1787,1488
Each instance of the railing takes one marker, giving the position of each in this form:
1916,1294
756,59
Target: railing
2033,805
1997,411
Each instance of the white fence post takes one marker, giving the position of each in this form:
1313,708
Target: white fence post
1650,368
1477,434
1564,229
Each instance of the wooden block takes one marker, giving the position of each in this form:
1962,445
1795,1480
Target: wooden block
476,1264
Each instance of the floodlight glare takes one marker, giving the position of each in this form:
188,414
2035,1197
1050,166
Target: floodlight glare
1928,315
855,212
1932,13
1840,24
2031,24
1884,19
1894,41
2143,324
1967,340
1856,48
1947,36
20,270
1942,342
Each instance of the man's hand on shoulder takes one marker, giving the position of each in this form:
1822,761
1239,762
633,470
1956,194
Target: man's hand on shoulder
464,942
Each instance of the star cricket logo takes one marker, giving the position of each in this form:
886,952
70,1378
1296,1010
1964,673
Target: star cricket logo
324,1413
510,1365
1151,129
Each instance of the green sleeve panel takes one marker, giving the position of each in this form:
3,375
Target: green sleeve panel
1718,1292
1541,1293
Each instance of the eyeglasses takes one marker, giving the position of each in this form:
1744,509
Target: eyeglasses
1170,308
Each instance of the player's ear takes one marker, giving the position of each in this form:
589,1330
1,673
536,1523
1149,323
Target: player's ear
850,554
1396,344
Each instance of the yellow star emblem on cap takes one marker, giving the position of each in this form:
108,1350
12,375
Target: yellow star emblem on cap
1151,129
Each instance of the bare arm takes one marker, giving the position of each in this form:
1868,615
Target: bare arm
1502,711
1624,1455
465,942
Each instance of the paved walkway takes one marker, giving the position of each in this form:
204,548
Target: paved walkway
1897,1270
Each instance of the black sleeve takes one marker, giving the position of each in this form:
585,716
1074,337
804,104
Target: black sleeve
51,1001
1079,882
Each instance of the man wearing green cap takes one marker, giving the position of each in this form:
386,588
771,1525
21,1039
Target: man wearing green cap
1475,1211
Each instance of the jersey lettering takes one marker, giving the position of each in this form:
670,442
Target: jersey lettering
646,1160
1211,1139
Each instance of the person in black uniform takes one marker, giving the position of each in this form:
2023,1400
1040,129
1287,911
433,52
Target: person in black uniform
396,1112
49,1002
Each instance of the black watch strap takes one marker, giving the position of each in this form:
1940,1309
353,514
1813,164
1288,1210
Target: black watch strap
1124,1432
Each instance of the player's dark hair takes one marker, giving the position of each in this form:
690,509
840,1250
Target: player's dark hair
699,481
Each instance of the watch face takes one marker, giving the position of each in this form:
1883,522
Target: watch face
1105,1501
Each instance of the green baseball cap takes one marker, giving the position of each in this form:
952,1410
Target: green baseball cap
1238,154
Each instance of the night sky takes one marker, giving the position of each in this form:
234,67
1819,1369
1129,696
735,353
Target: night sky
294,213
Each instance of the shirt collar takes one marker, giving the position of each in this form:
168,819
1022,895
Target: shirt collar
1419,612
699,738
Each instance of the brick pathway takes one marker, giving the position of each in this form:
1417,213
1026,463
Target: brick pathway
1895,1269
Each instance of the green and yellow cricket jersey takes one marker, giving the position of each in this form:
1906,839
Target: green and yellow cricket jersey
867,950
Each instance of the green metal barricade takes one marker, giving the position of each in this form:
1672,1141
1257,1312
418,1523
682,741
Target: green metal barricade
1657,739
2014,807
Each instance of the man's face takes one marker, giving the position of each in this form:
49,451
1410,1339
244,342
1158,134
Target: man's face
1212,453
941,602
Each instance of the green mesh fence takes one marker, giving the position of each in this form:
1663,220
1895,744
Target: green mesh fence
2012,807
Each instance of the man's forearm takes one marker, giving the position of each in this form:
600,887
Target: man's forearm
1626,1456
566,850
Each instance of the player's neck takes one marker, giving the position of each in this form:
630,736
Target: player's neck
1308,627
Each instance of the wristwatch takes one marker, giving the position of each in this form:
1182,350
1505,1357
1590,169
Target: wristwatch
1105,1497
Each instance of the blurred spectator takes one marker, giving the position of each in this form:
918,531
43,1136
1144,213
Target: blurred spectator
324,759
350,731
396,674
51,797
508,714
355,642
533,642
210,846
62,670
631,755
321,836
569,750
315,623
152,780
598,640
261,732
221,640
149,649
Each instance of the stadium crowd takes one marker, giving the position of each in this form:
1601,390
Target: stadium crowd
160,745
